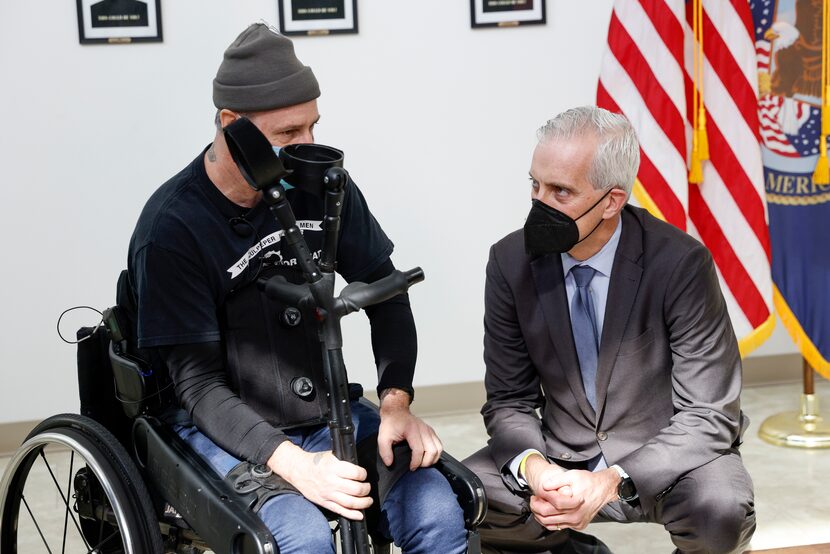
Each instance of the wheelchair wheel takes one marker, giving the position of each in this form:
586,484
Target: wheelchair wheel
71,487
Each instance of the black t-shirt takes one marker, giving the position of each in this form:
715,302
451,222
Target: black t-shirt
193,258
192,246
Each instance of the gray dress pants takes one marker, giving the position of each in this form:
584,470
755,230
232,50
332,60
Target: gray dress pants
709,510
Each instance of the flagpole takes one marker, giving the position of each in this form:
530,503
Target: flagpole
804,429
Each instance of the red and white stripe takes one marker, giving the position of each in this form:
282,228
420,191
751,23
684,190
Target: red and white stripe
763,49
647,75
769,108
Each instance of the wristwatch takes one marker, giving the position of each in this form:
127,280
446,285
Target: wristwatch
626,489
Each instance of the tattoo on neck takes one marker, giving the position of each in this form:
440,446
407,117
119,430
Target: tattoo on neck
317,458
211,154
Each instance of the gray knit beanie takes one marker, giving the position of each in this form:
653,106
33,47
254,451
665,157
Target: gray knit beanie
260,72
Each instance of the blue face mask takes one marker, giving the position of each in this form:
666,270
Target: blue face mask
285,185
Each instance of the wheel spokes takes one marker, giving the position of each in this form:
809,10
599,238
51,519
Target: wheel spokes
90,494
31,515
103,542
68,488
65,501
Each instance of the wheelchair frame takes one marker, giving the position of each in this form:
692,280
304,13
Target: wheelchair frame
182,487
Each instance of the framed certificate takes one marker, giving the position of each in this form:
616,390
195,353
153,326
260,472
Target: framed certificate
317,17
506,13
119,21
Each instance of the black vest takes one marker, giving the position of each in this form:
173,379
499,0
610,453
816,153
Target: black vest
274,357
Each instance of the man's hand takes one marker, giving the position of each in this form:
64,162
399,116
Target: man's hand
538,472
323,479
398,424
546,500
590,492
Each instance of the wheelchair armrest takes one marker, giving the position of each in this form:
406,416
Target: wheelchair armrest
465,484
467,487
221,516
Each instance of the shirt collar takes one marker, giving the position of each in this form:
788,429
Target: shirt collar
602,261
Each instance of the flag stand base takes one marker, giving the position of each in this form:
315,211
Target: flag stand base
805,429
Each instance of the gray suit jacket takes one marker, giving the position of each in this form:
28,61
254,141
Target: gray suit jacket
669,371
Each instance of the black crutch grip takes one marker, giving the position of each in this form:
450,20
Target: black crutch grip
356,296
278,288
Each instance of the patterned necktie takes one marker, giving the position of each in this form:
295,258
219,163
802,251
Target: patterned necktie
584,327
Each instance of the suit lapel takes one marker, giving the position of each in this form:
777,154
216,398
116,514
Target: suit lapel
550,286
622,290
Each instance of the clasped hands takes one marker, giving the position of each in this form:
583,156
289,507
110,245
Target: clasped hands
565,499
340,486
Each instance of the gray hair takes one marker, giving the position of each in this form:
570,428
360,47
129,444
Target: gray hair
617,157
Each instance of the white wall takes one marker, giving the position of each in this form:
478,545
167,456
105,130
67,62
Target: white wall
437,122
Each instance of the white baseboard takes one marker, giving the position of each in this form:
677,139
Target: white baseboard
467,397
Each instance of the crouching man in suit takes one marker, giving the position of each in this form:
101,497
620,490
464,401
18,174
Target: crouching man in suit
612,324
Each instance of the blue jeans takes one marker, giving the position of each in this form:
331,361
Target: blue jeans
420,514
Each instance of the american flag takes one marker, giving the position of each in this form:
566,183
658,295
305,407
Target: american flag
647,74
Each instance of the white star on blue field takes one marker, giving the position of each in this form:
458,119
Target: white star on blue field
807,141
761,16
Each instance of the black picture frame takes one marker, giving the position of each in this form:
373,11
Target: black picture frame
507,13
317,17
119,21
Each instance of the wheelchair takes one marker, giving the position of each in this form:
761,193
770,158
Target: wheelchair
124,482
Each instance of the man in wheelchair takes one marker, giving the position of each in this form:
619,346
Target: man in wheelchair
204,401
246,370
